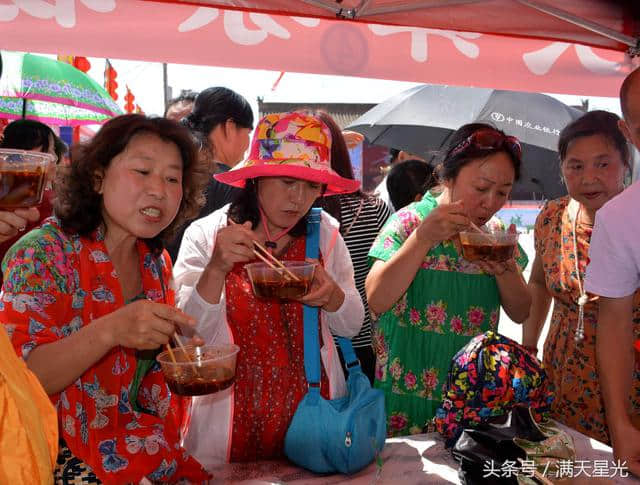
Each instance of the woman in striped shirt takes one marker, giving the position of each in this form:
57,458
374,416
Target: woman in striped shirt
361,217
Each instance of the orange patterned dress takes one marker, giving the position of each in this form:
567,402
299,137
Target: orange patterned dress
570,365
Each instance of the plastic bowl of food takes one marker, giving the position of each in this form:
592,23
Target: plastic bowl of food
272,283
496,245
22,177
199,370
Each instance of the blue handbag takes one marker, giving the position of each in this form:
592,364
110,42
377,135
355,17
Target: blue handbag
340,435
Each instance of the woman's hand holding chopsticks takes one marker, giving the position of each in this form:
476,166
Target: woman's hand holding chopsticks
234,244
265,256
144,324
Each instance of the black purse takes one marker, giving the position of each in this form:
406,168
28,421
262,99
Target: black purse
511,450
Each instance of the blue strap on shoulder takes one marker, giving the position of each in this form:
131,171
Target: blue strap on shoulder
310,315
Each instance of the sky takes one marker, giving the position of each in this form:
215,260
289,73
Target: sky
145,81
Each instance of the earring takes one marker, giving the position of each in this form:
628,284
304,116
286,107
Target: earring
97,184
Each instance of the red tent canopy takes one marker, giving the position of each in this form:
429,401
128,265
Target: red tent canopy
611,24
442,41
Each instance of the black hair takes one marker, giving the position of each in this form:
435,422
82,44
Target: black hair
408,179
340,163
450,165
246,207
595,123
78,204
186,96
214,106
30,134
393,155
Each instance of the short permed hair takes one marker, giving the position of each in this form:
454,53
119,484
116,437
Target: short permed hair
186,96
597,122
79,205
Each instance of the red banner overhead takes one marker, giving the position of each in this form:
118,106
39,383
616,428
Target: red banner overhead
610,24
183,33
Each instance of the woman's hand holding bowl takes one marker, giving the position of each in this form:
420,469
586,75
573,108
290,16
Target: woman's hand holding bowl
442,223
13,222
325,292
496,268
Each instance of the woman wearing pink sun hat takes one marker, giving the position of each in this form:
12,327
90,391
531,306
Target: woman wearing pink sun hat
287,170
291,145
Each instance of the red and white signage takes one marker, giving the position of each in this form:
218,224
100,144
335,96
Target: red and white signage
183,33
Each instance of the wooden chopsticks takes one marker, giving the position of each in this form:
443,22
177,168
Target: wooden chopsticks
268,258
280,265
184,350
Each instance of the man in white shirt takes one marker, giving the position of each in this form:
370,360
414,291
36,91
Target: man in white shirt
614,274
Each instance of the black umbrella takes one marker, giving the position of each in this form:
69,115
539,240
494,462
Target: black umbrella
421,119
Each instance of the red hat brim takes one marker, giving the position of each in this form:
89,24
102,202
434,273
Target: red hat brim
335,183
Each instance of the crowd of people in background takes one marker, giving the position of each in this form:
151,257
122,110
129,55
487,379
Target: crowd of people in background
147,231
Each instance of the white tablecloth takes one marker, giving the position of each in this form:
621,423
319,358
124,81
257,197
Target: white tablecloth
419,459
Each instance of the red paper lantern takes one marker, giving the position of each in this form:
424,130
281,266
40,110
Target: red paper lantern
110,83
81,63
129,107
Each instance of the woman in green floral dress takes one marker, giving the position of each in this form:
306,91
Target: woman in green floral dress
429,299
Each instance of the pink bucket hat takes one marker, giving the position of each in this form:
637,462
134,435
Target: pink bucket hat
292,145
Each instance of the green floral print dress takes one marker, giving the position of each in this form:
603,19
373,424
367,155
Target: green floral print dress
449,301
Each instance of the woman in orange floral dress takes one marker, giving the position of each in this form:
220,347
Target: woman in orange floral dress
594,160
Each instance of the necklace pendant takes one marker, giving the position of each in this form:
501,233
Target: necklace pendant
270,244
579,335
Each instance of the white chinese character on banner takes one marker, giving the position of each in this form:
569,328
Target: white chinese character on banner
541,61
519,122
419,39
63,11
236,29
201,17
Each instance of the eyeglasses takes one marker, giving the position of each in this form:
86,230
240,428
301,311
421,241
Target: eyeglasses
489,140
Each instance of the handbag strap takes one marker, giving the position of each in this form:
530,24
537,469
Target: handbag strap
310,316
355,218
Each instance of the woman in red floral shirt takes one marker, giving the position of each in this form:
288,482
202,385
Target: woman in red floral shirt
86,301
